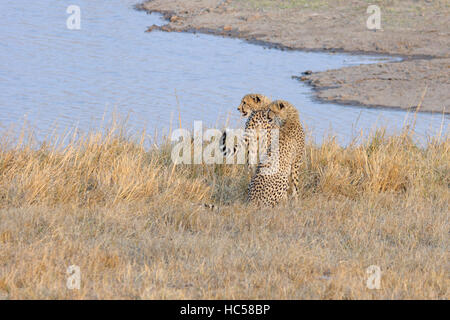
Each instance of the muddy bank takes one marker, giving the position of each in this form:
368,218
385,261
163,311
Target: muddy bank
417,31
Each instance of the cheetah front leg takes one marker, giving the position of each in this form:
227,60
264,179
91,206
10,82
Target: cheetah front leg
295,176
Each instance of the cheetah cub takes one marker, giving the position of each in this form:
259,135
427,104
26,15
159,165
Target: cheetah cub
291,139
269,187
251,106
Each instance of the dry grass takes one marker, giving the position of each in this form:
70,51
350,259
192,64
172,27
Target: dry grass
132,222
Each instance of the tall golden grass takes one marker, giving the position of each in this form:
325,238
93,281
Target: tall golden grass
135,224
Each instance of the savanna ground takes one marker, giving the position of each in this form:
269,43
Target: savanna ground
134,224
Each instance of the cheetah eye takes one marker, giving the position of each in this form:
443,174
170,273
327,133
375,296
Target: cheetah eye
281,105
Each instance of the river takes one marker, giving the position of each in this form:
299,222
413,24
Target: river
56,78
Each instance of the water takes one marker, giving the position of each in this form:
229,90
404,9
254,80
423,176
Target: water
59,78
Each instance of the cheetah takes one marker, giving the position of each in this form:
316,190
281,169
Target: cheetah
255,140
252,102
270,187
251,106
292,138
257,136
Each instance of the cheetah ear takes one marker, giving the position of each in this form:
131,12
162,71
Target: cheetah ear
257,99
281,105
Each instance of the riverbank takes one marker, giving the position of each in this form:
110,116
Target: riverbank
416,31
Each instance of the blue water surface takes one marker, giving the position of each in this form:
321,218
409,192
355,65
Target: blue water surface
57,78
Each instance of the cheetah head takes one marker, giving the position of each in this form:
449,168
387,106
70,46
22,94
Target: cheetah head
252,102
280,110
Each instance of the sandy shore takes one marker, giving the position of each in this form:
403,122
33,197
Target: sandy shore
415,30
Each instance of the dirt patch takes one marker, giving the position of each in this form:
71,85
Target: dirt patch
415,30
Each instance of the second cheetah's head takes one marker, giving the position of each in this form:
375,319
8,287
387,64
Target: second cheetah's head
252,102
280,110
